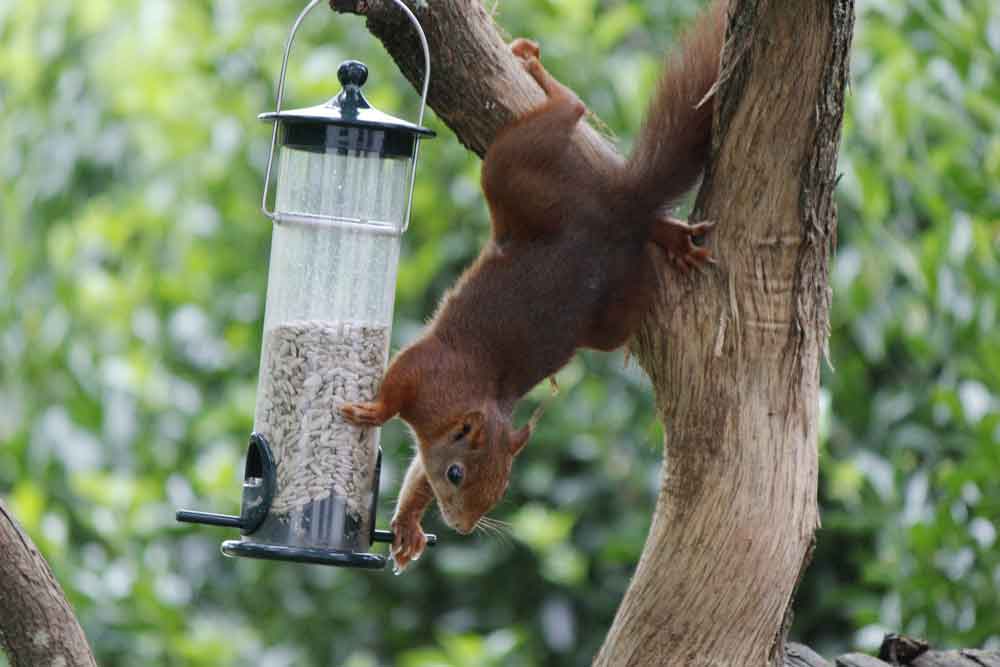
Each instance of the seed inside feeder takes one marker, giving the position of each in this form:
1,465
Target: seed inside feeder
309,368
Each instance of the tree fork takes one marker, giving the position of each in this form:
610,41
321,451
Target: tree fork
734,355
737,377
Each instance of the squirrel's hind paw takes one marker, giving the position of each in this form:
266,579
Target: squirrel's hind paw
676,237
525,50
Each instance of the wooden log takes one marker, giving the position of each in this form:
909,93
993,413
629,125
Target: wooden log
961,658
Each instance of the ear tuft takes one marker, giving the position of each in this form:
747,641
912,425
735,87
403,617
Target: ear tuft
519,439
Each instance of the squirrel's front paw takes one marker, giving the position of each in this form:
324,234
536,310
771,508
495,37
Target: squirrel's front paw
363,414
676,237
525,50
408,542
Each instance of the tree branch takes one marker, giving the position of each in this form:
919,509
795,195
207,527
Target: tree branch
37,624
476,85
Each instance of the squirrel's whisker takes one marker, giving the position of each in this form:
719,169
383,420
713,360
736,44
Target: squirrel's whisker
500,523
495,527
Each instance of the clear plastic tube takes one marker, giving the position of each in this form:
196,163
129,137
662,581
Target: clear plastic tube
331,288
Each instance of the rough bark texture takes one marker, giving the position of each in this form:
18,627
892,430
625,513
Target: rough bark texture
735,356
37,625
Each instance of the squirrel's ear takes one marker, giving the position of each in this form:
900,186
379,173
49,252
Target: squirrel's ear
519,439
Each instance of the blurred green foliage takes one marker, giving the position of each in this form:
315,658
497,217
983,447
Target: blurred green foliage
133,266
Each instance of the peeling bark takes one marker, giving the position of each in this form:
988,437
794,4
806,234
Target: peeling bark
37,624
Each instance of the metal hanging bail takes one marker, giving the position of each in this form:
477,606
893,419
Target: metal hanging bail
281,91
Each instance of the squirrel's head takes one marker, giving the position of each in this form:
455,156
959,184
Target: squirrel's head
468,463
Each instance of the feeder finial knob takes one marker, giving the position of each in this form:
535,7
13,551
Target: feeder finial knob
352,74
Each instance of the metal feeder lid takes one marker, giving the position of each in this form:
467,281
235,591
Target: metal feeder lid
349,108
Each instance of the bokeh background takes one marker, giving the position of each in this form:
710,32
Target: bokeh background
132,275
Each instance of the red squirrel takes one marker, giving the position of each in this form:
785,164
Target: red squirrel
571,263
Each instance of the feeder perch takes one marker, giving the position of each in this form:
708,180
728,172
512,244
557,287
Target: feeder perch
343,191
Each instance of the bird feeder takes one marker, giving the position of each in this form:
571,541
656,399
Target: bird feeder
343,192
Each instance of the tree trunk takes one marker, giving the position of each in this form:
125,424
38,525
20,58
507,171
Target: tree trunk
37,625
734,354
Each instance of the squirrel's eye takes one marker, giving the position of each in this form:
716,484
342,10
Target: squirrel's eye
455,474
464,432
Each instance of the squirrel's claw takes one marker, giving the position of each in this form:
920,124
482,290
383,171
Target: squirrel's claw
408,543
363,414
698,229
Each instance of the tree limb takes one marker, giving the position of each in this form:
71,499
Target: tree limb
476,85
37,624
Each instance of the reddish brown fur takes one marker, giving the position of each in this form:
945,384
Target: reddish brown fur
570,264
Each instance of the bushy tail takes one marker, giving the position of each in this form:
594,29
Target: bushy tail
673,145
